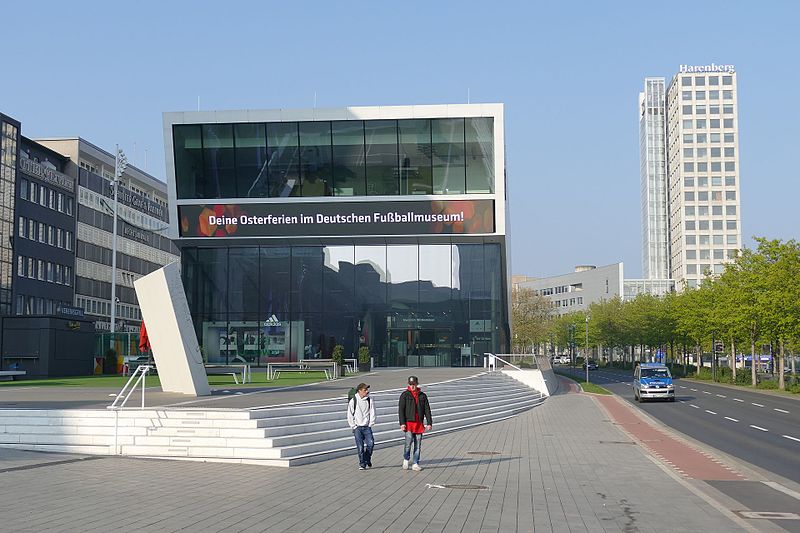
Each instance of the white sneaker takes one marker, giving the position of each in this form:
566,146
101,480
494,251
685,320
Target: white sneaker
405,464
416,467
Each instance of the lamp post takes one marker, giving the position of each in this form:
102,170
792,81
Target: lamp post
586,357
120,164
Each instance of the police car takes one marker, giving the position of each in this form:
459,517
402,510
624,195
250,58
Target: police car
653,381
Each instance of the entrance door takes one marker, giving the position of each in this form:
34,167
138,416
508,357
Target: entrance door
420,347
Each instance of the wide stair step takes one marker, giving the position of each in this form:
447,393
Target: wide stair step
282,435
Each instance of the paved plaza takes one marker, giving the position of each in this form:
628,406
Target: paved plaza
562,466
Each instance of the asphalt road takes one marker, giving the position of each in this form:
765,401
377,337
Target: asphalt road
759,428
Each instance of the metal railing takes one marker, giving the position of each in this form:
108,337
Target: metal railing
514,360
139,375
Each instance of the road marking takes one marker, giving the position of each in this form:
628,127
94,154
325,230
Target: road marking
737,400
756,404
710,412
695,390
777,486
780,410
706,392
693,405
681,386
791,438
758,428
721,396
731,419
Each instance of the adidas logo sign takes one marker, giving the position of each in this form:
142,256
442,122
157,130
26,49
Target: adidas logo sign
272,321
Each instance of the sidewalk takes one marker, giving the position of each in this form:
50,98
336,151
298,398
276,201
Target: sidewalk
561,467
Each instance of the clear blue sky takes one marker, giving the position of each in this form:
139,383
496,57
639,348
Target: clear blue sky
568,73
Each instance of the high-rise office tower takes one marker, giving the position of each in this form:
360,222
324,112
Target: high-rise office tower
653,158
702,173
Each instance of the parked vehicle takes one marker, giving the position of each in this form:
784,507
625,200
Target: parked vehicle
592,365
653,381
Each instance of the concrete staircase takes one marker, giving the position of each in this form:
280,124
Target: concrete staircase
284,435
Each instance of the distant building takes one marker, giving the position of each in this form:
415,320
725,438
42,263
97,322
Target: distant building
577,290
142,245
657,287
702,193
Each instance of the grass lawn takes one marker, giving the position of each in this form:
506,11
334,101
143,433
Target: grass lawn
587,386
117,382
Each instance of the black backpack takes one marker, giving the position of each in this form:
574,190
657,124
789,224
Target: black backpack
352,394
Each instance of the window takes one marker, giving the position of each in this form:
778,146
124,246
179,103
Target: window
716,210
688,196
69,206
732,254
42,232
727,123
22,227
40,269
730,195
727,95
727,80
691,239
43,196
68,240
691,254
686,95
700,109
51,236
23,189
702,210
381,157
700,95
686,81
702,166
688,138
702,225
688,167
687,123
717,239
716,181
715,137
713,95
691,269
730,210
716,196
730,224
700,123
687,152
700,81
730,166
716,225
349,170
689,209
687,110
713,110
728,137
729,151
730,181
716,152
713,80
34,193
727,109
701,152
701,137
702,196
689,224
732,239
688,182
702,181
716,166
447,137
705,254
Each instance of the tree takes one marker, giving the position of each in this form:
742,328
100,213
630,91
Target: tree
530,316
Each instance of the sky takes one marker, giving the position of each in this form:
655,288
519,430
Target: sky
569,74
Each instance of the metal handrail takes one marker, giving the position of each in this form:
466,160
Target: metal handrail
141,376
507,363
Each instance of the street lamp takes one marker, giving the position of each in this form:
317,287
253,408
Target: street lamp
586,357
120,164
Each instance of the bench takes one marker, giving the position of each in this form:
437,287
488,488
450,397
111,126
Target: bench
223,371
277,372
8,375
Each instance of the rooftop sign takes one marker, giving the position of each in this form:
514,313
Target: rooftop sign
713,67
54,177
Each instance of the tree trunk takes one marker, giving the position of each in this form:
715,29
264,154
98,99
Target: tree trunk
753,359
733,359
781,381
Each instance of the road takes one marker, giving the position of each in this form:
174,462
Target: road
761,429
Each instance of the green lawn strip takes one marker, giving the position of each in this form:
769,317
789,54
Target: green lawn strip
117,382
586,386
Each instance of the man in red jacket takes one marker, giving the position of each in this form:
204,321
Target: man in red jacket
413,410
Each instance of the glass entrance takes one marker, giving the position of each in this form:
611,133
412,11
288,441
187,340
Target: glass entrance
420,347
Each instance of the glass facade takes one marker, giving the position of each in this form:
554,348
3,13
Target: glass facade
411,304
9,141
339,158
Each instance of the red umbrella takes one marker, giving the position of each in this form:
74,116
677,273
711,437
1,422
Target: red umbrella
144,340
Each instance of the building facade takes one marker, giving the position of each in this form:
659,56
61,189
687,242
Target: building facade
653,173
576,291
142,244
9,152
384,227
703,172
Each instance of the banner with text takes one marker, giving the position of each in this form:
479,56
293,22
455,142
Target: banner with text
412,217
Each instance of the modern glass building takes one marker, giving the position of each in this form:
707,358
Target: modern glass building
363,226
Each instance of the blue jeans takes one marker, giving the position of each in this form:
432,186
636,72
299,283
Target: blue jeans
416,439
364,444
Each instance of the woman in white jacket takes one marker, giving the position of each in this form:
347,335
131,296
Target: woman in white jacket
361,418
